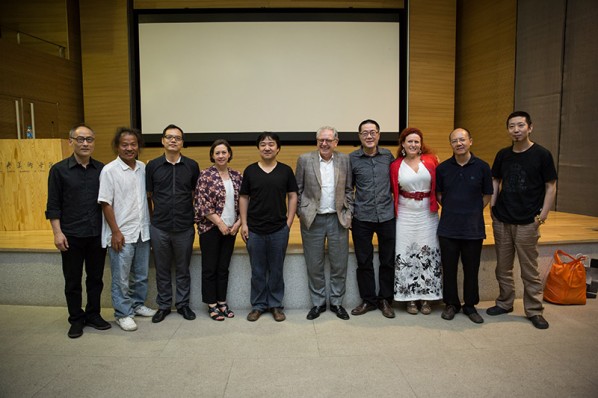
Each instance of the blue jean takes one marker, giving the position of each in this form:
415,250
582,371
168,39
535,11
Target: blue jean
130,269
266,255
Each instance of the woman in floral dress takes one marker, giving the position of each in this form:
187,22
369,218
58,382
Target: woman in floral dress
418,273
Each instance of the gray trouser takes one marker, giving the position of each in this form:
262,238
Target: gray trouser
326,227
172,248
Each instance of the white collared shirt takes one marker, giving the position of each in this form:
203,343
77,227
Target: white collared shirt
327,193
124,189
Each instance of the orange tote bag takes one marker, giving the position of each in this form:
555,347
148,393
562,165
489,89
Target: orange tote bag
566,283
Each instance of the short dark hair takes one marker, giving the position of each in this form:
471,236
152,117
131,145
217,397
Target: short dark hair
368,121
268,134
126,131
528,118
173,126
220,142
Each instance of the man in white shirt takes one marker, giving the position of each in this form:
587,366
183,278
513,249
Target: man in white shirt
324,208
125,229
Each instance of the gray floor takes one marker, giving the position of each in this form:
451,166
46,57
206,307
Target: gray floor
368,356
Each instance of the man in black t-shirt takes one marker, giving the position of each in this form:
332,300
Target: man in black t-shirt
524,181
265,225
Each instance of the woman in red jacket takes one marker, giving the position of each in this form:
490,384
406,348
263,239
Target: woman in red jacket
418,274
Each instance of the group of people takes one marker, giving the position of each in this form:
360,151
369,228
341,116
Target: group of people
126,206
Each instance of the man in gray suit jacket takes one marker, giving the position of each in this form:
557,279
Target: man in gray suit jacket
324,208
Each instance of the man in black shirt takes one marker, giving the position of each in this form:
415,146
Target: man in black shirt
524,181
265,225
76,219
170,181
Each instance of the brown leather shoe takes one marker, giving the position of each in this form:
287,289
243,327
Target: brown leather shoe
386,309
254,315
363,308
278,314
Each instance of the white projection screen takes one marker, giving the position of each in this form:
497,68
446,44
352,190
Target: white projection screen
217,78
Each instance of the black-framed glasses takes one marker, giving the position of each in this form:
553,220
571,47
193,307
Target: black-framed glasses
177,138
81,140
367,133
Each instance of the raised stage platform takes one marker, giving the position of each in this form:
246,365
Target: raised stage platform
31,273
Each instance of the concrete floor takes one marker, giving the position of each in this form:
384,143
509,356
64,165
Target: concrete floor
367,356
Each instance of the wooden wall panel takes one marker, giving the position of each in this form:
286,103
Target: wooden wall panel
24,168
39,76
432,45
485,72
105,61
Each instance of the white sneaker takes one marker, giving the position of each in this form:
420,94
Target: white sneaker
142,310
127,324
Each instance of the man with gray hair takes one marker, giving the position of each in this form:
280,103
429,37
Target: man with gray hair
325,206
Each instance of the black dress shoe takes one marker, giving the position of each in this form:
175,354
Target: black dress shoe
386,309
76,330
496,310
363,308
160,315
97,322
186,313
339,311
315,312
539,321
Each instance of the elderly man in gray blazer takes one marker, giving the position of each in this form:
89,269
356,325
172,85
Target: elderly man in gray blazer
324,208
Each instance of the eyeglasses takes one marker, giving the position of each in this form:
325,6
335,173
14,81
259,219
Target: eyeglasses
81,140
177,138
368,133
325,141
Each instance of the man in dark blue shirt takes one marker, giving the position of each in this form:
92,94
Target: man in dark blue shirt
170,181
463,188
76,219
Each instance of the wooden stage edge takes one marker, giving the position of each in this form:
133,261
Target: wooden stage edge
560,228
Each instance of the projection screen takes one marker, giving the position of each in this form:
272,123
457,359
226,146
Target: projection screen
230,78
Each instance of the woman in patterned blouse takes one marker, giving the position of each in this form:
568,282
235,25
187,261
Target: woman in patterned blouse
216,203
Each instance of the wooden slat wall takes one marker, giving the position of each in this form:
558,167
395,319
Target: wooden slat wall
432,71
485,71
105,59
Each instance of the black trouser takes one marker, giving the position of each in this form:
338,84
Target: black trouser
89,251
470,251
363,233
216,252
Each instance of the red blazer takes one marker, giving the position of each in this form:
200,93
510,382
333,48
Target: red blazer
430,161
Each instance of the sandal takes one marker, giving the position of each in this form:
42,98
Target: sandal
215,313
412,308
426,309
225,311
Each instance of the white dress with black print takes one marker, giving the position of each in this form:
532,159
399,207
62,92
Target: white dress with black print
418,274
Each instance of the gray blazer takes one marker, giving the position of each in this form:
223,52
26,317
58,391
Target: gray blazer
309,182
